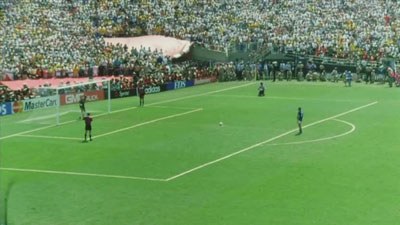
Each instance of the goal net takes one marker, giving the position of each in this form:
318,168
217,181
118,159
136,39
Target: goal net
58,105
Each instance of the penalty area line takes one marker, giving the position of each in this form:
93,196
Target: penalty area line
264,142
130,108
81,174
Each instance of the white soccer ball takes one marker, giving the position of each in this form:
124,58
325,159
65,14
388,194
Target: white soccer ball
221,124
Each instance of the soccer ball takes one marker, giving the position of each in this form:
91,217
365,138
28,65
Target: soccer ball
221,124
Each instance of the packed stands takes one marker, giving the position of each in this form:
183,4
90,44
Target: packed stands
65,38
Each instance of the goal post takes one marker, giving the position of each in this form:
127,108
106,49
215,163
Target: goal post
61,102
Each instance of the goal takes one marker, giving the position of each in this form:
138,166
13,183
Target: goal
61,104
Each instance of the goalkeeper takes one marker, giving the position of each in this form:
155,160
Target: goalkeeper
82,106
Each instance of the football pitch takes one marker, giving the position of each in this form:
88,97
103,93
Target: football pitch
172,163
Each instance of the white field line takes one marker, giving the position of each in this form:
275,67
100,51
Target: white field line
130,108
264,142
198,167
203,94
49,137
282,97
353,128
180,98
81,174
42,117
147,122
26,132
115,131
51,116
101,135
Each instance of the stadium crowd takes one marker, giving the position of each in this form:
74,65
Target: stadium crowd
60,38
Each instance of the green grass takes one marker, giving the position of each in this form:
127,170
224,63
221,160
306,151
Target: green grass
137,176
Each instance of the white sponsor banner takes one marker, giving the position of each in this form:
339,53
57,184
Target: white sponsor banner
75,97
41,103
152,89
